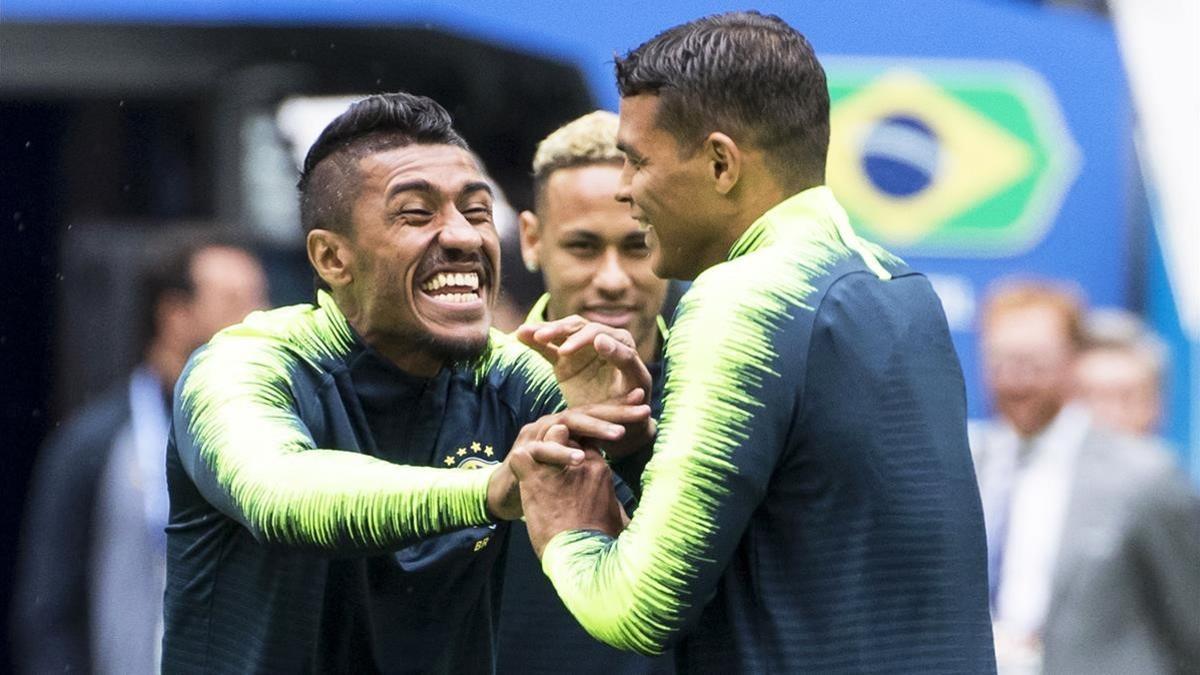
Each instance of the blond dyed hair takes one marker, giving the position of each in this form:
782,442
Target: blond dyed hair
591,139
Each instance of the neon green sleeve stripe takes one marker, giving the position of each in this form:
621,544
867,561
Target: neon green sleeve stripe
249,453
716,447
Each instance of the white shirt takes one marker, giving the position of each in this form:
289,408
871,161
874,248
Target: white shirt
1027,482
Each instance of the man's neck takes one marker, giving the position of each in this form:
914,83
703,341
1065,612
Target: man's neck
413,362
401,353
166,363
753,202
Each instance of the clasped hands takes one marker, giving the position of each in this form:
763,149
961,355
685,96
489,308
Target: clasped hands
556,474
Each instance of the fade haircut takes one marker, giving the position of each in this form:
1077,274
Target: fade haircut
745,74
588,140
328,181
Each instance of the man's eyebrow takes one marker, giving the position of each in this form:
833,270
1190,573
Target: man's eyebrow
476,186
416,185
626,149
581,234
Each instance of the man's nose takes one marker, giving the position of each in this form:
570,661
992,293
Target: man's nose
458,234
624,194
611,278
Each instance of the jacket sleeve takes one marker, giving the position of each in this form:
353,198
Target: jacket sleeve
1166,537
243,443
725,422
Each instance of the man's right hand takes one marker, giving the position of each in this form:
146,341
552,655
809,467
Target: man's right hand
598,422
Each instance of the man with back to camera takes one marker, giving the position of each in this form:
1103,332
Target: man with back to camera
596,263
1093,535
810,505
90,585
337,476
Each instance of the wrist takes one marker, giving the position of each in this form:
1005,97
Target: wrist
502,498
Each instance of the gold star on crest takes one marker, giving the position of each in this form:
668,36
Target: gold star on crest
487,450
475,447
462,452
449,461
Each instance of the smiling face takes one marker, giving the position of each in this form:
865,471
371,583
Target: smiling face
594,256
422,256
669,191
1028,359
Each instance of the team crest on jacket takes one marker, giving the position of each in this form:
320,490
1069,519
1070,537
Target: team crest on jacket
473,456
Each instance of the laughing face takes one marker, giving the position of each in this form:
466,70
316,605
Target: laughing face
422,257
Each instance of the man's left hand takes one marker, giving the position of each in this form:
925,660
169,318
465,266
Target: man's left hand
595,363
558,498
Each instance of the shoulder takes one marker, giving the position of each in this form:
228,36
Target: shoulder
263,358
306,331
1137,458
83,440
514,369
103,416
1148,475
275,340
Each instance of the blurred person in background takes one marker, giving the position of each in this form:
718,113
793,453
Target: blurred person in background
91,578
1120,372
596,263
1093,537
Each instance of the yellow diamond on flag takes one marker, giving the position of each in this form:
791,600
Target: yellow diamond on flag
960,156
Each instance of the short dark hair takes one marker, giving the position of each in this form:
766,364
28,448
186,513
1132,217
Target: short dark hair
746,74
171,272
373,124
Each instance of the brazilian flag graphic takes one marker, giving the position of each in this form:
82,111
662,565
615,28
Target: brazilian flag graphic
948,158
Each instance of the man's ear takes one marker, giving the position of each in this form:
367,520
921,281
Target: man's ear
531,240
331,256
724,161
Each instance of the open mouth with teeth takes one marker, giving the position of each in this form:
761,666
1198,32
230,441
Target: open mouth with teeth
456,288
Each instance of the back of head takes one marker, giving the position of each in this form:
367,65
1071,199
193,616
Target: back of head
748,75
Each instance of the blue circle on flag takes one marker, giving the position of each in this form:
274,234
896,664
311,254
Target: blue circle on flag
901,156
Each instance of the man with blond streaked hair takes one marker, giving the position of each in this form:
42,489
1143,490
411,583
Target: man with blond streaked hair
596,263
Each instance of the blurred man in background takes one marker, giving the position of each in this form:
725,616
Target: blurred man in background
596,263
1093,537
89,588
1120,372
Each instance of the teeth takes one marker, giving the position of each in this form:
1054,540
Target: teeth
457,297
458,279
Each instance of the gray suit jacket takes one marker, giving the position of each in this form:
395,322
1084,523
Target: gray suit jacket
1126,595
1126,591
